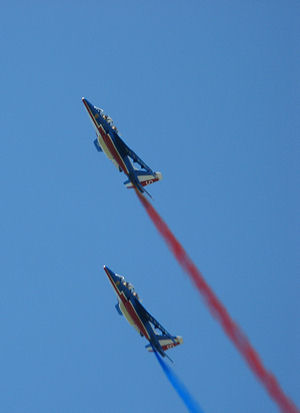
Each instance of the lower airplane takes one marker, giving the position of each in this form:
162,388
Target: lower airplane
109,141
130,306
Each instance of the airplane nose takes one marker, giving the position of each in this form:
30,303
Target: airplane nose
110,273
94,112
89,106
108,270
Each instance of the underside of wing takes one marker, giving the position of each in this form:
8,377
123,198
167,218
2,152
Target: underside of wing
137,159
166,343
147,316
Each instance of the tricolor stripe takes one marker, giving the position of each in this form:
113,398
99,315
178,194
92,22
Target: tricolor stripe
129,308
108,141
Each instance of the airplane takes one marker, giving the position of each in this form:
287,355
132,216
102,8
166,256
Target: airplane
109,141
147,326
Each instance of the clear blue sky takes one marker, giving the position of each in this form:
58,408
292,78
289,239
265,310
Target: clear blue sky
205,92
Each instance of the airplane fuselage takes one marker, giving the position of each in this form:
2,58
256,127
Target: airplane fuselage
128,309
124,158
130,306
106,142
128,317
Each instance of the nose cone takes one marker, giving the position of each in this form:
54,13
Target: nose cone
113,277
86,102
93,111
109,272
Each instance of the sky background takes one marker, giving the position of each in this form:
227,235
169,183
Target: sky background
205,92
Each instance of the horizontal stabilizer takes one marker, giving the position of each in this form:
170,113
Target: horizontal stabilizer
166,343
145,178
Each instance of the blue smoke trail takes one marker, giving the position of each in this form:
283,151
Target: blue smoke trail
180,388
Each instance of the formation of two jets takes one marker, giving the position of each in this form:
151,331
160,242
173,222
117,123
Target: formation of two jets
129,305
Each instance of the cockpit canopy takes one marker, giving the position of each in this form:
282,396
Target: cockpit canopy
99,110
108,120
130,288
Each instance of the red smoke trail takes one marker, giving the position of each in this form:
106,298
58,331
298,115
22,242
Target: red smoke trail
219,311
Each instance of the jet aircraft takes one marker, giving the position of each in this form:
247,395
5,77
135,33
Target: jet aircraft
109,141
130,306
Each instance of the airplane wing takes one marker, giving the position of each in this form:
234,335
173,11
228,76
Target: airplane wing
152,320
136,159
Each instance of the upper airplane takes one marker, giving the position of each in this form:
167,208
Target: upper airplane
109,141
130,306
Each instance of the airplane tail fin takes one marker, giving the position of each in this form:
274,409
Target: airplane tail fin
166,342
145,178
